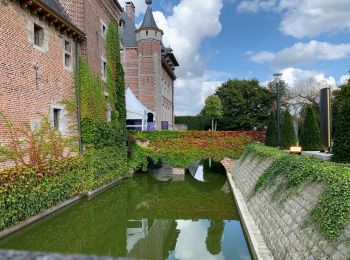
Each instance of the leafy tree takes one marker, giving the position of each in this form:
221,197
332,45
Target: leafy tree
341,147
212,110
284,93
245,104
214,236
287,131
310,131
115,78
271,133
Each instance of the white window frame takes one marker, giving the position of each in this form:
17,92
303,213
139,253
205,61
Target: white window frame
65,52
31,23
103,31
103,69
62,118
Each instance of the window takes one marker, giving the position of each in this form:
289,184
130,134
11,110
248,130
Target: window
56,118
103,29
146,33
38,35
104,69
67,54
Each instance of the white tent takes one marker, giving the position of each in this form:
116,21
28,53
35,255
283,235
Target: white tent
137,113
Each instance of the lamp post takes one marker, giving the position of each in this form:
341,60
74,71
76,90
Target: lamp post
277,77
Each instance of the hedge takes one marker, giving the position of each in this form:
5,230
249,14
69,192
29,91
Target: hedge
192,122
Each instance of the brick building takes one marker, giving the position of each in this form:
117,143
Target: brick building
37,45
149,66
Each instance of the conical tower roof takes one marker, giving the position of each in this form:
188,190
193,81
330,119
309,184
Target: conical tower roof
148,19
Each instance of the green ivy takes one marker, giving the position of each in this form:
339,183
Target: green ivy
25,193
331,214
115,77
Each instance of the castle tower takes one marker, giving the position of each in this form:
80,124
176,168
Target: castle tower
149,43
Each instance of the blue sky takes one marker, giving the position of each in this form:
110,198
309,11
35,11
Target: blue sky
215,40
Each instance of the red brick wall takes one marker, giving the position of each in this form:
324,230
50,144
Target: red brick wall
130,66
149,52
23,92
87,15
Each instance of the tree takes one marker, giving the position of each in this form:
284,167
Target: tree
212,110
287,131
245,104
310,131
341,147
271,133
214,236
284,93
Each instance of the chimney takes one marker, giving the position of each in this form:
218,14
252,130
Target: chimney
130,11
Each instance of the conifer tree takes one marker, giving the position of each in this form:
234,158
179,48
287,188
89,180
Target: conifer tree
288,138
271,133
341,147
310,131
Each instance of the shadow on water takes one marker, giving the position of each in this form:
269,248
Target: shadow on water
145,218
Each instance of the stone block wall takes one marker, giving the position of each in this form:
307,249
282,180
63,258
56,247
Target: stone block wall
280,224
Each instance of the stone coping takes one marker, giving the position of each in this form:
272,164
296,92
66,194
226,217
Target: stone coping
258,247
21,255
318,155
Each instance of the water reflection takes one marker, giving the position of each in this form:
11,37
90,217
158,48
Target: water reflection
144,218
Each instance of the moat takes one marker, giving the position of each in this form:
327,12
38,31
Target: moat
142,217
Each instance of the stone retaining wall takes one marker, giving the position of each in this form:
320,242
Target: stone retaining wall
280,225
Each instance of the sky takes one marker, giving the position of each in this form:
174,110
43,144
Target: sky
217,40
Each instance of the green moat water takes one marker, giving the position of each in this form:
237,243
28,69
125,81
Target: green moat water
187,217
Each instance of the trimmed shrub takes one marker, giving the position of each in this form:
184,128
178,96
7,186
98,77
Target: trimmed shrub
310,132
192,122
287,131
341,148
271,133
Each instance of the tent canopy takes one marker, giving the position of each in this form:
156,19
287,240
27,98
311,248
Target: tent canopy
135,109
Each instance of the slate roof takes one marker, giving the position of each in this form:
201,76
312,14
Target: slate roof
128,35
148,19
56,6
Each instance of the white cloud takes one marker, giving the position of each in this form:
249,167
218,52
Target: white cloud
191,92
304,18
255,5
303,53
298,78
190,23
344,79
261,57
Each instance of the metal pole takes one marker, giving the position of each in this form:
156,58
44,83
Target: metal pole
278,107
278,116
77,93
